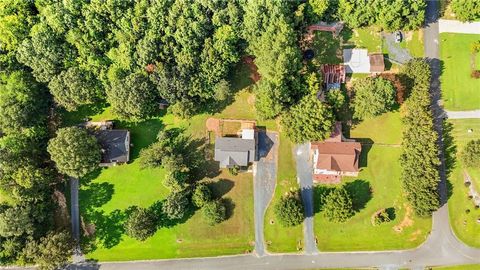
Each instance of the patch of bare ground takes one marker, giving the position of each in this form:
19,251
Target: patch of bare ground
407,219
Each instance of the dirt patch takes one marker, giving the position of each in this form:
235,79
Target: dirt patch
251,100
408,35
400,88
407,219
213,125
415,235
250,62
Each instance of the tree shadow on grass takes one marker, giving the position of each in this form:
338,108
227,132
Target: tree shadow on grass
165,222
142,134
221,187
95,195
108,227
360,192
229,205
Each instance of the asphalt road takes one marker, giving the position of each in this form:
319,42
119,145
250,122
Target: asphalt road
304,175
463,114
75,219
265,178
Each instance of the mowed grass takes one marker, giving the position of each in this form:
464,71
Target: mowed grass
277,237
105,195
459,90
377,186
367,37
464,224
414,43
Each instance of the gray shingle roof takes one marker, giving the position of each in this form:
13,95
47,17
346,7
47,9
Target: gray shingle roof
234,151
115,145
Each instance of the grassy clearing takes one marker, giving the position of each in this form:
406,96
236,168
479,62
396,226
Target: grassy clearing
414,43
368,38
279,238
464,224
460,91
327,48
388,123
377,186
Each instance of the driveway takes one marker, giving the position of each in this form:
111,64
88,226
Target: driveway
75,219
304,176
463,114
453,26
395,51
265,178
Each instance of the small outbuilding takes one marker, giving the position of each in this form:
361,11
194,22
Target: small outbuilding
377,63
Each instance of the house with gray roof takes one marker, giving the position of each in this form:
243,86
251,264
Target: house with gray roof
236,151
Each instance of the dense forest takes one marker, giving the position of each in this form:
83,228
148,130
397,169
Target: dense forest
132,54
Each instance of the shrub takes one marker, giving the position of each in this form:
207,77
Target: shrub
475,74
338,205
289,210
382,216
201,195
471,154
141,224
234,170
214,212
176,205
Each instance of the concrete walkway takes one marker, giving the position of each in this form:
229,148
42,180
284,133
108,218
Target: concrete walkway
453,26
265,178
463,114
304,175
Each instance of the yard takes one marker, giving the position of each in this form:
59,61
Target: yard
277,237
377,186
464,224
459,267
105,195
460,90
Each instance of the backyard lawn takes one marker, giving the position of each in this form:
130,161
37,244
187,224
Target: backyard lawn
377,186
459,267
460,91
277,237
464,224
368,38
414,43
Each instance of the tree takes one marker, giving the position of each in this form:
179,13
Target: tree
373,96
419,159
74,151
289,210
310,119
16,221
22,102
51,252
176,205
337,205
140,224
133,98
319,7
399,14
214,212
471,154
16,19
201,195
466,10
46,53
74,87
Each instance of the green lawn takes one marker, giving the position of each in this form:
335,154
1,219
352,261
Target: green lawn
414,43
277,237
464,224
460,91
327,48
368,38
377,186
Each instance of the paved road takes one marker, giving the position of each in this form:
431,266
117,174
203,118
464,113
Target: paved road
463,114
75,219
304,175
265,178
395,51
453,26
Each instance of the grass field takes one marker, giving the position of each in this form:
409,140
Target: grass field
464,224
377,186
414,43
460,91
278,238
368,38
